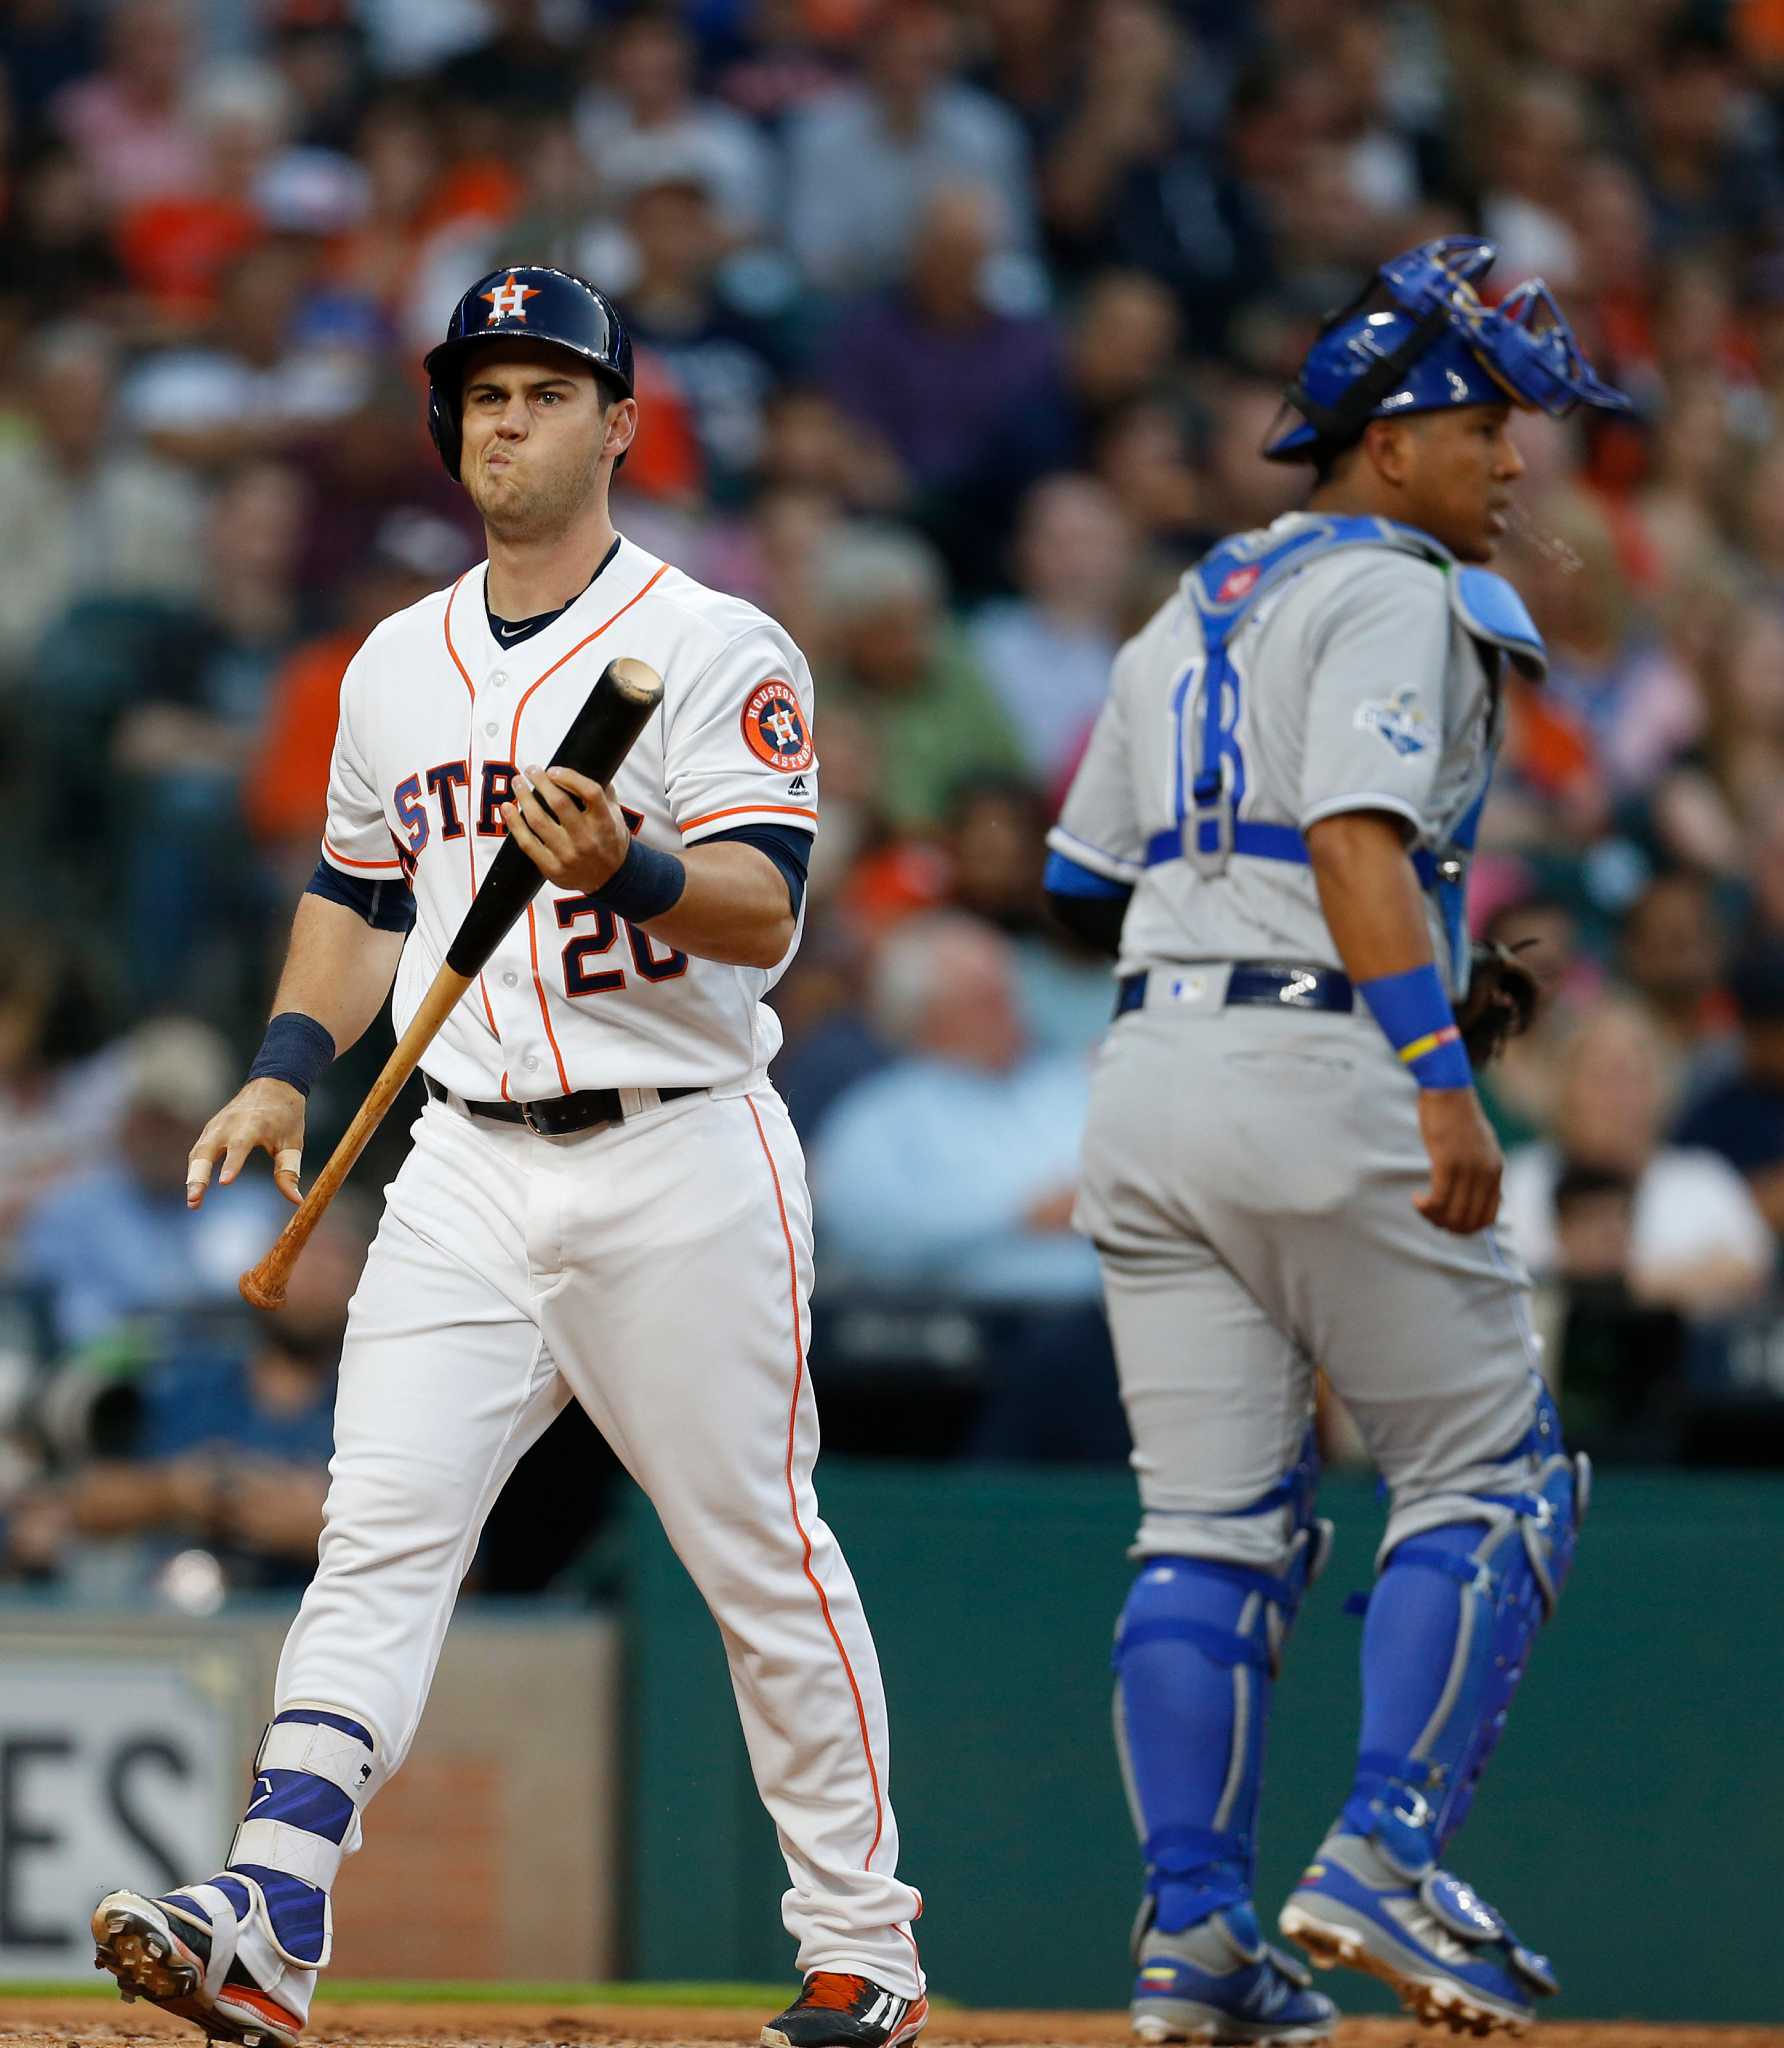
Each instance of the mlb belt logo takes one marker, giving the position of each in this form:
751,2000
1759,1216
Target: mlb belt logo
508,301
775,727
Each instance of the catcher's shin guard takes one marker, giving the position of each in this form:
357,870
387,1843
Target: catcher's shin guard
1448,1633
1196,1649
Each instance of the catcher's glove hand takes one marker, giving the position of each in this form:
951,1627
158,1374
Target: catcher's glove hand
1500,1004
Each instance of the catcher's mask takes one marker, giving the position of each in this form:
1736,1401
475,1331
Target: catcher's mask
1419,338
527,302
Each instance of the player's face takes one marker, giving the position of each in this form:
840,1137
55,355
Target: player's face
536,425
1459,475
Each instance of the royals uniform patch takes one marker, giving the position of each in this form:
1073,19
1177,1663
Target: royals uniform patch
1399,719
775,727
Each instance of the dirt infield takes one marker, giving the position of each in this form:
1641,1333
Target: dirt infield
63,2023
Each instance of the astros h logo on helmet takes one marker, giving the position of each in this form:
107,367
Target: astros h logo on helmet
508,300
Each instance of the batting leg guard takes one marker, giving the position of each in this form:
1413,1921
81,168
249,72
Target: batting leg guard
1197,1646
313,1774
1448,1633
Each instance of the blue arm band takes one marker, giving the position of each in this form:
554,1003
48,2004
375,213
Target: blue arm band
1416,1019
645,884
785,845
1065,877
296,1049
385,906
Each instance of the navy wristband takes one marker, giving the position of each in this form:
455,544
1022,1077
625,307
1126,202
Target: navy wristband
295,1049
645,884
1414,1013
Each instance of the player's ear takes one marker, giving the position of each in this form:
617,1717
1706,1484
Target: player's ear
621,425
1388,445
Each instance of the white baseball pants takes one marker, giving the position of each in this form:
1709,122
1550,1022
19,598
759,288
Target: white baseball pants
658,1272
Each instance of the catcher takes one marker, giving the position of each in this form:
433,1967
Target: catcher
1286,1163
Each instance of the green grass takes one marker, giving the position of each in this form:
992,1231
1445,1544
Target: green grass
457,1992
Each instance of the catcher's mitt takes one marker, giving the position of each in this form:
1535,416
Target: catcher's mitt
1500,1004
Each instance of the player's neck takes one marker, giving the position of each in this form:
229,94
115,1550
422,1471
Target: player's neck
527,577
1354,499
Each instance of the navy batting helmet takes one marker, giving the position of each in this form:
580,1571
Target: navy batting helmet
1420,338
528,302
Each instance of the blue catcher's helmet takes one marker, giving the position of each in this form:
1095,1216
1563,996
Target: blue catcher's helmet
528,302
1420,338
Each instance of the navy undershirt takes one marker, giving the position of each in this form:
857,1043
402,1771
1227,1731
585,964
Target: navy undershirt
511,632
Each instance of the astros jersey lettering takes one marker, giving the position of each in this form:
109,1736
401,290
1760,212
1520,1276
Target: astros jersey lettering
437,716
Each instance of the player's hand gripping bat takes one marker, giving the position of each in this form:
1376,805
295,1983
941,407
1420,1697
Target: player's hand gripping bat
616,711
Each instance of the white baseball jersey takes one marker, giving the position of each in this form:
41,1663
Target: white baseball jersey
436,716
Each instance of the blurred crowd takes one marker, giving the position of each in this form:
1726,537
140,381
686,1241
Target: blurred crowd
959,325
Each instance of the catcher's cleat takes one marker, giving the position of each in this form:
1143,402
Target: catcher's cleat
1449,1955
1220,1981
189,1954
837,2011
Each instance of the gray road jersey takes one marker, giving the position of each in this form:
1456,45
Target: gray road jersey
1361,684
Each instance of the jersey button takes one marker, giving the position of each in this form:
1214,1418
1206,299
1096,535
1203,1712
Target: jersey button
498,679
491,729
531,1063
510,979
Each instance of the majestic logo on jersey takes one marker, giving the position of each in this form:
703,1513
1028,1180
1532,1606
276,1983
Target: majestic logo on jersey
1238,583
1399,719
775,727
508,301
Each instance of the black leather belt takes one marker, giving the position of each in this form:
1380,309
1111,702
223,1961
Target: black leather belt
558,1116
1281,987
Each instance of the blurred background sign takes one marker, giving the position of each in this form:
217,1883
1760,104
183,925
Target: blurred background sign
115,1768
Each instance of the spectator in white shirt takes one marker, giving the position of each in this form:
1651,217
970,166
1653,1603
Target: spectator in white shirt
863,162
1700,1243
80,510
1046,651
643,107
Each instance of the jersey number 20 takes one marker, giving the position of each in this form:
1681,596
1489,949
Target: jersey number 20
579,979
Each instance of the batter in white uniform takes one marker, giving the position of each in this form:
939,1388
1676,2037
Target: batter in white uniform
605,1201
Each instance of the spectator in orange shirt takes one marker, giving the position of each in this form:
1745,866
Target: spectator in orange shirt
285,792
176,245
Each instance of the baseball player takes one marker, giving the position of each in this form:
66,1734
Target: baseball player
605,1201
1286,1165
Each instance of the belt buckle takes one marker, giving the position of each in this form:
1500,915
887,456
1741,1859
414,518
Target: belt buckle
527,1118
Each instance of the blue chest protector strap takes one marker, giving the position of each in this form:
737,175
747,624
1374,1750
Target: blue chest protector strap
1224,587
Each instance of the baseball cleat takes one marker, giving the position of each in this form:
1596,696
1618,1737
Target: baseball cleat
1449,1955
1220,1981
837,2011
167,1951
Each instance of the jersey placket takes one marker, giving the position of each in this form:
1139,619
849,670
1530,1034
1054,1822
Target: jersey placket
524,1030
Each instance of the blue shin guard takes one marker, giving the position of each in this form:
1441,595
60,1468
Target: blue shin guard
1196,1651
1449,1630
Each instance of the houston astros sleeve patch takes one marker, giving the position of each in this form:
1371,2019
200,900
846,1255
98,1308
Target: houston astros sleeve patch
777,731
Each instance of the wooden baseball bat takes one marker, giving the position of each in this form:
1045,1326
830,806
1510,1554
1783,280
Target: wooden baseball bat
614,713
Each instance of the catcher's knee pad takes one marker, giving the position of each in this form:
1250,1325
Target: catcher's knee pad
1196,1648
313,1773
1448,1633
